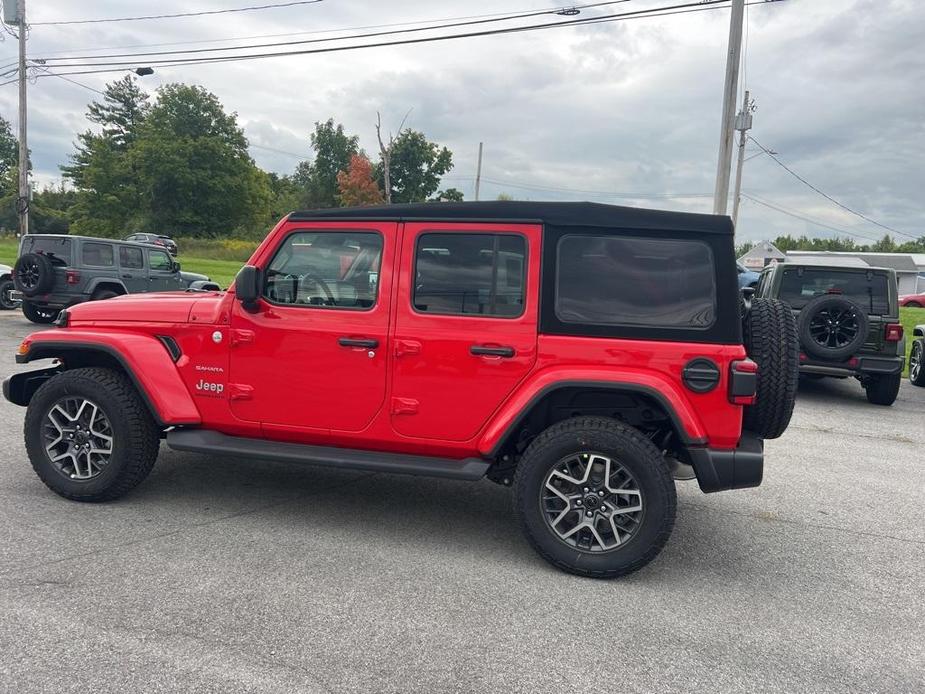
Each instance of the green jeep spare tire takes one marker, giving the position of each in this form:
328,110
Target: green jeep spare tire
771,342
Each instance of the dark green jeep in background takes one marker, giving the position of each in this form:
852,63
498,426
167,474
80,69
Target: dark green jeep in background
847,320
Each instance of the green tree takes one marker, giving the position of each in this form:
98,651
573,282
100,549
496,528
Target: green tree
333,149
9,148
416,167
448,195
108,202
195,176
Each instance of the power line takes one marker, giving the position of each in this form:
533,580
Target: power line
449,25
685,8
826,195
796,215
179,14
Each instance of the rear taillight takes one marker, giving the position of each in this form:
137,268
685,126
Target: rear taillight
73,277
743,382
893,332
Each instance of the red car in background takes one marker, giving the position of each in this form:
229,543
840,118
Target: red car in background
912,300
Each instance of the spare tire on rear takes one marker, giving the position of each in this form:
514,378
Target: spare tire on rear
33,274
832,327
771,342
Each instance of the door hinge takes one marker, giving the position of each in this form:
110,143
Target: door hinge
240,391
404,406
241,337
403,347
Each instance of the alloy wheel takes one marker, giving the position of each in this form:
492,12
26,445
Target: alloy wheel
591,502
915,362
78,438
28,275
834,327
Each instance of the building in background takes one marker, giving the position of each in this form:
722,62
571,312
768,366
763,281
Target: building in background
761,255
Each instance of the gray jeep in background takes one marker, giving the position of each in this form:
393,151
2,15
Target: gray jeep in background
847,322
54,272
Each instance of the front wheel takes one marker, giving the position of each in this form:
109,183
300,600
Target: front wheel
917,363
595,497
89,436
883,390
42,316
6,303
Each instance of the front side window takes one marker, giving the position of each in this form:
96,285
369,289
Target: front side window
131,258
470,274
326,269
631,281
158,260
98,255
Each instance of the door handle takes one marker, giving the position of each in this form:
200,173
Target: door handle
365,343
482,351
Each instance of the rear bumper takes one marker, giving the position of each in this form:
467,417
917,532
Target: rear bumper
54,301
739,468
880,366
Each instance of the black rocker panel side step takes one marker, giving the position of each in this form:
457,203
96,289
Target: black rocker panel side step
206,441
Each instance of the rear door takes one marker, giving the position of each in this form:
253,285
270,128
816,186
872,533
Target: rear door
132,269
466,323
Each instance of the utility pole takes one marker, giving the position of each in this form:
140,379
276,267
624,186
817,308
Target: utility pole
23,202
478,173
743,125
721,193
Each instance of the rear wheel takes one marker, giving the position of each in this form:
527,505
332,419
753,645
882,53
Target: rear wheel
917,363
913,304
595,497
6,304
882,390
38,315
89,436
771,342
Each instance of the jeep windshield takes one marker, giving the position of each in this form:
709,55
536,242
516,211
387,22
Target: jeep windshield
56,249
867,288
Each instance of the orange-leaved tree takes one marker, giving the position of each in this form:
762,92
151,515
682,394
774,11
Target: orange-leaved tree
356,186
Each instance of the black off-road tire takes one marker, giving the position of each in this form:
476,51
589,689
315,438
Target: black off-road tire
136,437
637,454
917,363
883,390
5,303
38,269
771,342
42,316
101,294
832,302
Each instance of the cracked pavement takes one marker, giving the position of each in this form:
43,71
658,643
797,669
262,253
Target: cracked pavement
228,575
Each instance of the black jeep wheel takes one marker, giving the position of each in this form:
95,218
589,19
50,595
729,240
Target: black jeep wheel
832,327
917,363
882,390
595,497
42,316
771,342
89,436
33,273
6,303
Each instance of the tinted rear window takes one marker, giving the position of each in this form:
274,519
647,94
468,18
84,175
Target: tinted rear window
869,290
607,280
58,249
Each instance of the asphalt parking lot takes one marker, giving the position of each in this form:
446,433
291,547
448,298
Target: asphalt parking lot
225,575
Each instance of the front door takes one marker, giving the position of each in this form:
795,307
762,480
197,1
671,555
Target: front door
466,319
161,273
313,353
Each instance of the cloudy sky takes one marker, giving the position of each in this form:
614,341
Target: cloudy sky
625,112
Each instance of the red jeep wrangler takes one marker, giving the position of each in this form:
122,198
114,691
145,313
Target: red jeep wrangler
585,354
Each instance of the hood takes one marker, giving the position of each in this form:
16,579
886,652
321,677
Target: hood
156,307
192,277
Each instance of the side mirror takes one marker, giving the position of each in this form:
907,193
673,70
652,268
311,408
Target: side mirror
247,285
176,266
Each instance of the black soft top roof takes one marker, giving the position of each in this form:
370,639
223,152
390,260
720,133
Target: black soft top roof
556,214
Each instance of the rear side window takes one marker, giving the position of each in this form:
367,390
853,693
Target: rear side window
470,274
631,281
98,255
867,289
131,258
